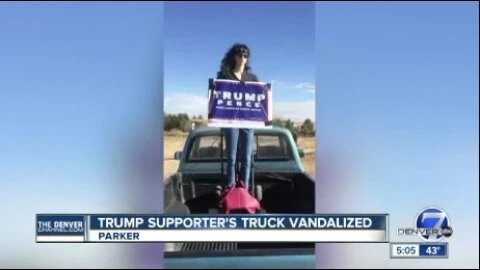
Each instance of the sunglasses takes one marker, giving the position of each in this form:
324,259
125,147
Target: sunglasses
244,53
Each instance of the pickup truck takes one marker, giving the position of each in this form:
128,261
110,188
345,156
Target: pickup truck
277,172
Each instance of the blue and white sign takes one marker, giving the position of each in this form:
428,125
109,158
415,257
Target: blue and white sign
239,104
60,228
213,228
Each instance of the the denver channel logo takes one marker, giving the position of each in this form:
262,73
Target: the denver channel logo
431,224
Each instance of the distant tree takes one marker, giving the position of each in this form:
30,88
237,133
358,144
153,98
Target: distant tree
169,122
183,116
298,130
198,120
200,124
278,122
184,122
290,126
179,121
307,128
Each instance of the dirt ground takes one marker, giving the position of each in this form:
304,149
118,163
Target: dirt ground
173,143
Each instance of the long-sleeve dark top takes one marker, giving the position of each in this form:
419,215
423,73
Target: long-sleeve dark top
246,76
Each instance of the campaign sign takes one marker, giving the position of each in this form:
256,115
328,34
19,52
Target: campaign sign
239,104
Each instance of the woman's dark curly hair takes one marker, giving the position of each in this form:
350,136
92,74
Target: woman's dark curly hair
228,61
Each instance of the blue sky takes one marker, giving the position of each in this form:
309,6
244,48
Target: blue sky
81,67
281,37
80,88
397,105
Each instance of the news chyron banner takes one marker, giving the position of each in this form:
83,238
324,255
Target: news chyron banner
211,228
239,104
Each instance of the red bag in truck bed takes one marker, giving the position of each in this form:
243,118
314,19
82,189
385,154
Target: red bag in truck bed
237,200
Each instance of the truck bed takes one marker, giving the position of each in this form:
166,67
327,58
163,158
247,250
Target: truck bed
282,193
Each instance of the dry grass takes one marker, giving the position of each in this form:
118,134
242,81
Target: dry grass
307,143
171,144
308,146
175,142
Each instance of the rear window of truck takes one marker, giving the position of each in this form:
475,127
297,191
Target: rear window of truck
265,147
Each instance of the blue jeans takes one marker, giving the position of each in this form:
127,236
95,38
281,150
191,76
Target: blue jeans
241,139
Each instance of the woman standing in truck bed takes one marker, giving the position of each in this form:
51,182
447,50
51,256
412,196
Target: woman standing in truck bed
234,66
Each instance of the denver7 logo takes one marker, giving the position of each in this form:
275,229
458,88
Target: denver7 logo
430,224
